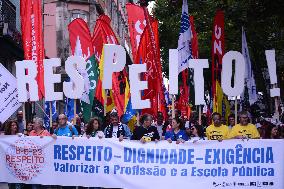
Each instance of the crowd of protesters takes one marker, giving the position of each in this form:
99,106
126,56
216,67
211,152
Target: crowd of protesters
176,129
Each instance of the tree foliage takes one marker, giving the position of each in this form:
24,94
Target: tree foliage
263,21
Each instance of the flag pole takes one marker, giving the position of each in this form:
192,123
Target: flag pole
50,114
105,99
173,106
236,110
199,114
75,107
24,115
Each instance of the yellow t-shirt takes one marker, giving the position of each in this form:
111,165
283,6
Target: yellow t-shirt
249,131
216,133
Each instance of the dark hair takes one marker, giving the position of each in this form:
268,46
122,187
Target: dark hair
231,116
144,117
268,129
200,130
216,113
243,113
179,121
9,125
90,126
113,114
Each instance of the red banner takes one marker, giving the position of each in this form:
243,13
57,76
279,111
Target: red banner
218,48
80,38
136,25
149,53
32,36
103,34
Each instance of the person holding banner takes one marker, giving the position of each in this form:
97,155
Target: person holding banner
244,129
94,129
64,129
116,129
195,132
146,132
39,128
217,131
176,134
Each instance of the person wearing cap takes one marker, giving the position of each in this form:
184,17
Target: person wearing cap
116,129
217,131
244,129
38,128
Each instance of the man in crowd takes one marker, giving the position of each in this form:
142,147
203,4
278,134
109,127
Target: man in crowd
116,129
20,121
231,121
160,124
64,129
244,129
146,132
217,131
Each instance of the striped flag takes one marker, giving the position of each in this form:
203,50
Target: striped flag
249,77
184,40
47,116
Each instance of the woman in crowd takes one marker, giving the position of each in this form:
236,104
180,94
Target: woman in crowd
39,128
29,128
195,132
94,129
176,134
272,132
11,127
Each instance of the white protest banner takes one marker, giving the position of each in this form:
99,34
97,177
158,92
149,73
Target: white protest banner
8,94
229,164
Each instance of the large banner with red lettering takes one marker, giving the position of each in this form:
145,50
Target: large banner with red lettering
136,25
109,163
32,36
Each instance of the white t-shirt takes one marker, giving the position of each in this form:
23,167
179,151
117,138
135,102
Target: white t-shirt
114,131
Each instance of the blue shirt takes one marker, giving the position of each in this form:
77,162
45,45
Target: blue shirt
180,135
65,131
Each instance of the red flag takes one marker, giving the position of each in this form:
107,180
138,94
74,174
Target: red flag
31,24
79,34
136,25
218,48
149,53
103,34
194,40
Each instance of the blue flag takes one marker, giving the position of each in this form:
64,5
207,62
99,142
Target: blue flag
47,111
129,112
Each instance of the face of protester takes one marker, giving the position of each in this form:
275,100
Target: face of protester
217,120
20,116
54,126
147,121
95,125
194,131
37,126
231,121
175,125
243,120
30,126
62,120
114,120
14,128
160,120
274,131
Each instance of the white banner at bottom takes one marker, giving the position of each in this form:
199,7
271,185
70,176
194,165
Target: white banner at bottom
229,164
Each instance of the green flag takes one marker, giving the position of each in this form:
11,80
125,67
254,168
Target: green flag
93,74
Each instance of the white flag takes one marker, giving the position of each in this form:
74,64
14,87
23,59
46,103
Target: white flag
249,77
184,40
